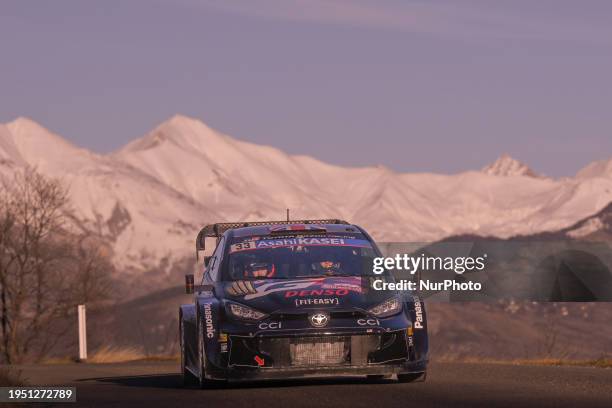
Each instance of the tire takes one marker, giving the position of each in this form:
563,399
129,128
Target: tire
377,377
189,380
202,380
410,377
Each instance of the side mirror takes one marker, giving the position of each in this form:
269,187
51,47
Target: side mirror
189,284
207,260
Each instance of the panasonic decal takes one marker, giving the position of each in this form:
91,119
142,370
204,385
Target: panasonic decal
208,321
418,310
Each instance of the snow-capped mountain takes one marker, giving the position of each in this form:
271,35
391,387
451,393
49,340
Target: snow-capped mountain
129,208
507,166
150,197
596,227
600,168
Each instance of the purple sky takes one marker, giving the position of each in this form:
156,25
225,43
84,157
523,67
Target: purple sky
439,86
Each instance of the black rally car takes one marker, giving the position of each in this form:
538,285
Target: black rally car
293,299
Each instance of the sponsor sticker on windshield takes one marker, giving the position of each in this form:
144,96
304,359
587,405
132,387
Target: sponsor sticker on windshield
298,288
298,241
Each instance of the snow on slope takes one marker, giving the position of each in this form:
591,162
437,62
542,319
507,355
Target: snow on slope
126,206
242,180
9,154
507,166
245,181
152,195
600,168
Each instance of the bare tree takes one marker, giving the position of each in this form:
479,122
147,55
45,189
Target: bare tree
45,270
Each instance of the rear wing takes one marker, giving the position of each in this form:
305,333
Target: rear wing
217,230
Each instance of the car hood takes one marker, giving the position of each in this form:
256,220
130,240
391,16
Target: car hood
294,295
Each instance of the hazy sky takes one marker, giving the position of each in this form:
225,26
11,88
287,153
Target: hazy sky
437,86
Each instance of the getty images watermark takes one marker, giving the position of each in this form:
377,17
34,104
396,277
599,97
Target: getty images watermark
414,264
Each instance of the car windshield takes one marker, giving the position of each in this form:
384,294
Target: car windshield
290,257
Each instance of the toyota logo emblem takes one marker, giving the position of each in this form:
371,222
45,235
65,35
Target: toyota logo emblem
319,319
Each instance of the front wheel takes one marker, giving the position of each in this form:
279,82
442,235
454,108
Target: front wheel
411,377
203,381
189,380
377,377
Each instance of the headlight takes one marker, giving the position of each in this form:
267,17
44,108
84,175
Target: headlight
387,308
244,312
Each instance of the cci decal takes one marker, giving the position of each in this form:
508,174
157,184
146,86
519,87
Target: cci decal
270,325
368,322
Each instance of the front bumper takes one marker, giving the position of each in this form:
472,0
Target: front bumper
335,371
333,354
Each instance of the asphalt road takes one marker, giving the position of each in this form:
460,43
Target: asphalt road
447,385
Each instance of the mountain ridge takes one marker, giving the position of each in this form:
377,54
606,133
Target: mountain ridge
184,174
507,166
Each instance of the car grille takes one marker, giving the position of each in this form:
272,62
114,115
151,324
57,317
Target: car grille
317,351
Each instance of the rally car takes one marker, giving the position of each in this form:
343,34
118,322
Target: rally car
289,299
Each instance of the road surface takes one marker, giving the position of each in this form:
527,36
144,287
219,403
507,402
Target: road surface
158,384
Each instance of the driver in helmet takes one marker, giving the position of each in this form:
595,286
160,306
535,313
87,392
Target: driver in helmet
259,270
253,270
326,267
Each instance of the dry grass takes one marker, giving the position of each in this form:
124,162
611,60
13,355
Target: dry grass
121,355
599,363
58,360
10,377
175,358
110,354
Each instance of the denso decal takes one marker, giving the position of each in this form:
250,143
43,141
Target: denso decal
208,321
317,301
316,292
259,288
272,287
418,310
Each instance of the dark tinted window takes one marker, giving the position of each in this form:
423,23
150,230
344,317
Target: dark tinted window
292,257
